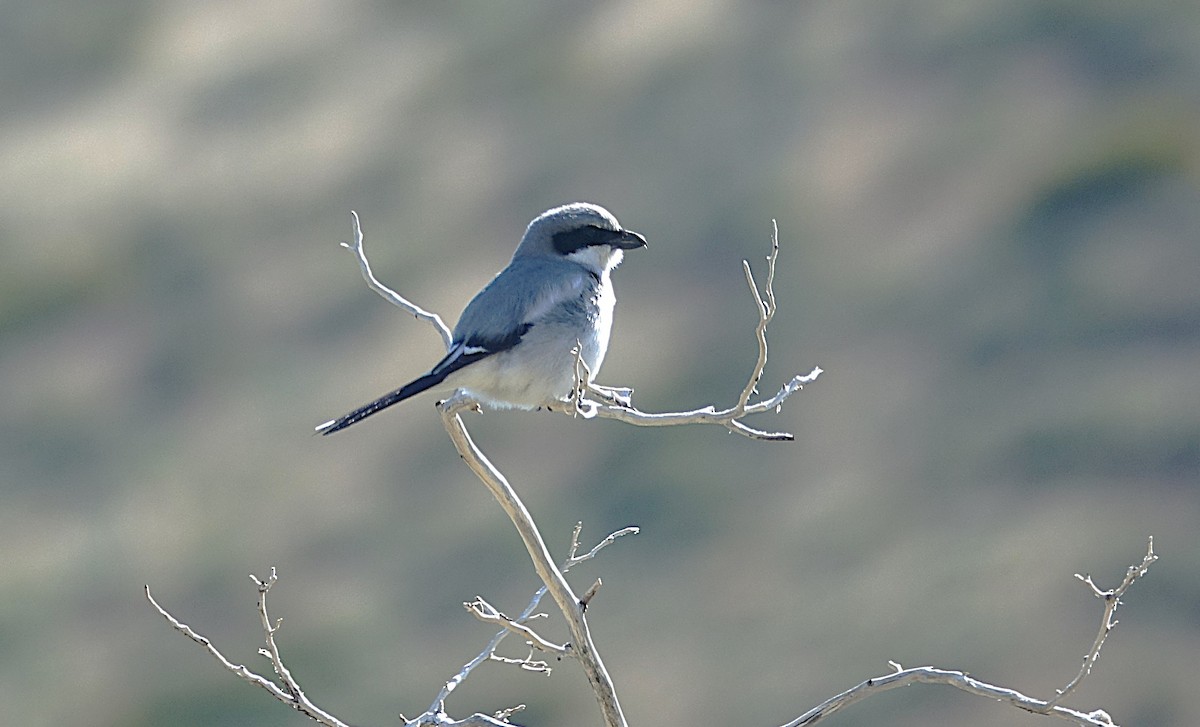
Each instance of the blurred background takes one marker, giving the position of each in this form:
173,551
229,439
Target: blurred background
989,218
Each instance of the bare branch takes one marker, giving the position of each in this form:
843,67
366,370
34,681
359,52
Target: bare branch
582,647
388,294
573,559
526,664
617,404
442,720
504,714
960,680
488,613
1112,599
290,693
489,651
956,679
766,311
573,549
589,594
729,418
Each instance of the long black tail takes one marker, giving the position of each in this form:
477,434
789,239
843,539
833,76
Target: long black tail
412,388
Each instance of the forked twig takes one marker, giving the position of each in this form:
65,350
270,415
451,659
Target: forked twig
488,613
289,693
489,651
1112,599
621,408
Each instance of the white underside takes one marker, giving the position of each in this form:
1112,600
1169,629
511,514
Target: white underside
540,370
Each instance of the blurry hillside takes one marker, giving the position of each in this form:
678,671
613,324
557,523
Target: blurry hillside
990,223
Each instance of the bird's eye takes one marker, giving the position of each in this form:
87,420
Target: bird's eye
577,238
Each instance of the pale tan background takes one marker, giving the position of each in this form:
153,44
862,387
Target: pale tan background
990,217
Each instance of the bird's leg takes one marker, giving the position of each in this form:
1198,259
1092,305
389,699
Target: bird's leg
579,406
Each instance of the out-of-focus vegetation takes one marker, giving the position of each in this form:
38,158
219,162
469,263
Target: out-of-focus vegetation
990,221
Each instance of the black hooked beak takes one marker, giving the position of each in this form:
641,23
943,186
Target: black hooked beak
628,240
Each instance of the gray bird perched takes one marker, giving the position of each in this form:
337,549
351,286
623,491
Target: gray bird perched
514,345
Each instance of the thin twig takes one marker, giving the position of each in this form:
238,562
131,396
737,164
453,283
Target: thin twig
443,720
573,559
290,694
1112,599
766,311
489,651
488,613
730,418
528,663
388,294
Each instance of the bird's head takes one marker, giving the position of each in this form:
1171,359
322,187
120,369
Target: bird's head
584,233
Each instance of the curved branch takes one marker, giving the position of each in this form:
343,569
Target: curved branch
956,679
388,294
960,680
581,646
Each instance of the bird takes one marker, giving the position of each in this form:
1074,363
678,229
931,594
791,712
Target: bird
516,342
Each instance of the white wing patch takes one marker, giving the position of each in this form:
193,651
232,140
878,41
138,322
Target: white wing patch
455,354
